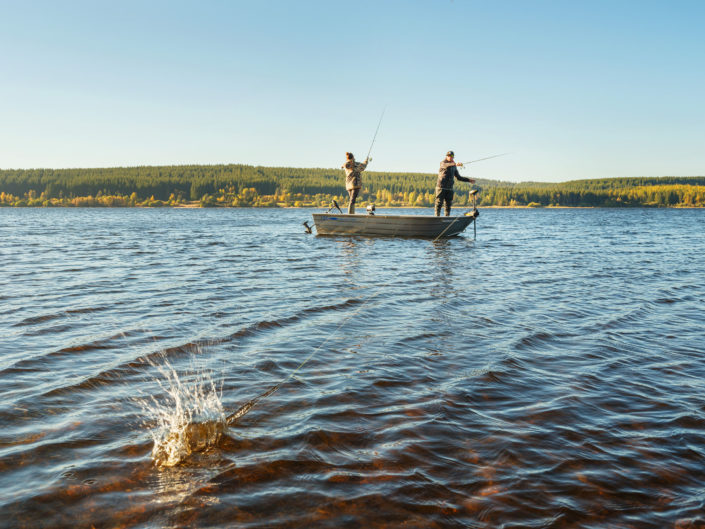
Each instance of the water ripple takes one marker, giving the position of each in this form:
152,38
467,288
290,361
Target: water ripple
535,377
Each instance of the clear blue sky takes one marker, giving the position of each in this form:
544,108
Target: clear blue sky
573,89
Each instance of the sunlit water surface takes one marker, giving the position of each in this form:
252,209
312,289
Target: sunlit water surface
221,368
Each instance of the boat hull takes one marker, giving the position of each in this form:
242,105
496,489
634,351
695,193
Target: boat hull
425,226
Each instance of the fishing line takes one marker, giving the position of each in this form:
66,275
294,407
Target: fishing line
487,158
447,228
230,419
454,221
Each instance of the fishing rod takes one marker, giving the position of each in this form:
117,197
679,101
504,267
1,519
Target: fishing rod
375,136
487,158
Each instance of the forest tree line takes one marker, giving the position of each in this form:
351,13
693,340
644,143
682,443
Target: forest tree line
254,186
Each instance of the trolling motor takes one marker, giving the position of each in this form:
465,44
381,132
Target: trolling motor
474,213
307,227
333,205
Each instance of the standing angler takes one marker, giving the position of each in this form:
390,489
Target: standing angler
353,178
444,185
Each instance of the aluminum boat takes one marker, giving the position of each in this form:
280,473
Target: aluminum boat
427,226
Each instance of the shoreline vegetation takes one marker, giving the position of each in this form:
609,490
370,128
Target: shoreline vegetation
236,185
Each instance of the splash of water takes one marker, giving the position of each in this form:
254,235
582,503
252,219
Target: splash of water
187,417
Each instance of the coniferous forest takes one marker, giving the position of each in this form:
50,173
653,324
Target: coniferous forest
253,186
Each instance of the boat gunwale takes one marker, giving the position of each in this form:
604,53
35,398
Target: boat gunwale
362,216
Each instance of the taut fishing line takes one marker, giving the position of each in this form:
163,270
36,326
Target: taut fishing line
250,404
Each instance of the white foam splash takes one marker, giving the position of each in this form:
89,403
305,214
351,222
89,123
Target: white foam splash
188,417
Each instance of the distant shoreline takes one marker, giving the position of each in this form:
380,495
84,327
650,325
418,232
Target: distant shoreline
197,205
236,185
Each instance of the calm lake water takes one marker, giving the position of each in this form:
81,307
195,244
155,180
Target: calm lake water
221,368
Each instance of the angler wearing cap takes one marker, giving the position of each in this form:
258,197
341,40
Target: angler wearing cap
353,178
446,178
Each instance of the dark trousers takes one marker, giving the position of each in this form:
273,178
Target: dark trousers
353,196
444,195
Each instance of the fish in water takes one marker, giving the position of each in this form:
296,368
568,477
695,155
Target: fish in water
181,443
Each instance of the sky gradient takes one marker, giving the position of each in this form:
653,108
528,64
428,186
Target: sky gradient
572,90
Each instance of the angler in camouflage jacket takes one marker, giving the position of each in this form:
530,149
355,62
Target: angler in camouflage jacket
353,178
447,174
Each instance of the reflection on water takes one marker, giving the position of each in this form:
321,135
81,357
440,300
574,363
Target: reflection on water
210,368
446,260
350,257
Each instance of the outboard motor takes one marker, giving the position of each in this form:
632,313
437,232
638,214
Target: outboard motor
371,209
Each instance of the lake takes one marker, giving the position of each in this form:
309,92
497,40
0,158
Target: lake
164,368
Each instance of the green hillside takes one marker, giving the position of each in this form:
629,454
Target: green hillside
245,185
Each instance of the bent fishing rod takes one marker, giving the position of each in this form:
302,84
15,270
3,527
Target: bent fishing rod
376,131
